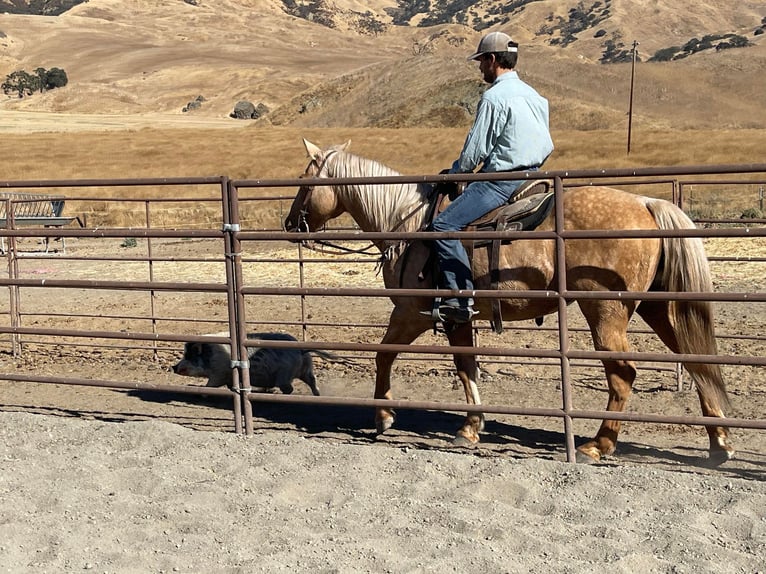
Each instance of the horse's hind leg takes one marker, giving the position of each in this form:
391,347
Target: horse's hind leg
706,376
403,329
608,322
467,372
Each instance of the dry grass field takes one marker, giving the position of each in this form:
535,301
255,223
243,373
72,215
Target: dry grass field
260,152
277,152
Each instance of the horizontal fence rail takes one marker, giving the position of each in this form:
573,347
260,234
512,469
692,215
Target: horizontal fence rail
233,241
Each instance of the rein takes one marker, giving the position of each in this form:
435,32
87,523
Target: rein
388,254
339,249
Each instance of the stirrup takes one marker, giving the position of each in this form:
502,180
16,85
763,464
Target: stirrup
434,312
449,313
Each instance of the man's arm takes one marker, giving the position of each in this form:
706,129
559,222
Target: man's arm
479,141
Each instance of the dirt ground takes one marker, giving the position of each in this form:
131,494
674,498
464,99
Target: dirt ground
129,479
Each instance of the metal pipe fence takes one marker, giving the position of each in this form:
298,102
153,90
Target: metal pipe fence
237,246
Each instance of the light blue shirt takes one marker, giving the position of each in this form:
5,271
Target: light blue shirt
510,130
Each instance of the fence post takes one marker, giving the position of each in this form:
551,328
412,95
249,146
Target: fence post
152,292
566,382
243,408
13,273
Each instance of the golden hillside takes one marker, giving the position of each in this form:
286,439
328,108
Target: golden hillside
146,60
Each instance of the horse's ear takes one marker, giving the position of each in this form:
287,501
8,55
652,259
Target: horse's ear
345,146
311,149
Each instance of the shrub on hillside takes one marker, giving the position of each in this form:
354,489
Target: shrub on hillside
579,19
665,54
733,41
695,45
615,52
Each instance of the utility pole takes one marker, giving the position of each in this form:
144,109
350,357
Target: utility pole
632,77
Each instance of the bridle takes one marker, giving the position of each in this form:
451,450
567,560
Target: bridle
302,225
313,170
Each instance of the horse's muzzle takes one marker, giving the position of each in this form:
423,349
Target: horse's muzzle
296,227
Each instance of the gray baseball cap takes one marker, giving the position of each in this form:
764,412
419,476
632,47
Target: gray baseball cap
494,42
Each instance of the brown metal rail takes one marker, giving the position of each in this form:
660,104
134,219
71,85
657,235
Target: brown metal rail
233,236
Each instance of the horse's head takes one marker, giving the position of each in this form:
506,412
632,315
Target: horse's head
315,205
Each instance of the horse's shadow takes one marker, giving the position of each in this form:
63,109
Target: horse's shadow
434,430
413,428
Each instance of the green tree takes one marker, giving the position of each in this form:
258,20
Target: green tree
41,74
56,78
20,82
26,84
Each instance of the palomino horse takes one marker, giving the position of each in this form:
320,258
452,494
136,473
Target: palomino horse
614,264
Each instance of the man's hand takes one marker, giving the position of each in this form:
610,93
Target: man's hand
449,188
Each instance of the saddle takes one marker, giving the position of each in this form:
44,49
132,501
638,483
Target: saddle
526,210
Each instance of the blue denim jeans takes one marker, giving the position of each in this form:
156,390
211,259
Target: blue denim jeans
478,199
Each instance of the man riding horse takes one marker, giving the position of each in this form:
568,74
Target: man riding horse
510,133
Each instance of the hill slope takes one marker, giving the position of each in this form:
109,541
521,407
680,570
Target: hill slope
381,63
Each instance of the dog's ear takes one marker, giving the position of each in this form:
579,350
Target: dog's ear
206,350
194,349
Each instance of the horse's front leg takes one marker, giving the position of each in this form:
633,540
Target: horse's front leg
403,329
468,373
384,417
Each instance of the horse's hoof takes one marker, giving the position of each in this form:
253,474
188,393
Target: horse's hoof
462,442
383,425
583,458
718,457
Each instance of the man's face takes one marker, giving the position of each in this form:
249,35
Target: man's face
487,67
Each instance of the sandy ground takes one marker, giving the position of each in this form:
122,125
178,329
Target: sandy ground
156,497
131,480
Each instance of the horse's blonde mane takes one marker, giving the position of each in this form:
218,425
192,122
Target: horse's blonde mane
380,206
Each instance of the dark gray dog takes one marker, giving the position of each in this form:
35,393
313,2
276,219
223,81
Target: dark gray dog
269,367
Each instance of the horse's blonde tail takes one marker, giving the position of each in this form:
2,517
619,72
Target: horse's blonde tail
685,268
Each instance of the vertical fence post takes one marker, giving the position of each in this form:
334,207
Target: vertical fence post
152,292
566,382
239,369
630,104
237,322
13,273
301,284
679,377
